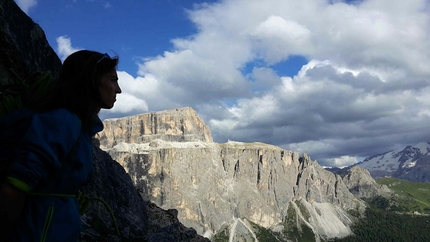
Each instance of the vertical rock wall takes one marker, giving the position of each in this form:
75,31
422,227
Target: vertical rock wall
178,125
213,184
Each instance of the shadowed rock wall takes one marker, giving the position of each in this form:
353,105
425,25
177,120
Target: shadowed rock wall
23,45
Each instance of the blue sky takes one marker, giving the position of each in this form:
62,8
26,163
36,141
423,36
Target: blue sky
338,80
131,29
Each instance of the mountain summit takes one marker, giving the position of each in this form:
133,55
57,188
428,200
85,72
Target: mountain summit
410,163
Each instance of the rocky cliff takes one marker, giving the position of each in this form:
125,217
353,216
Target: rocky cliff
24,48
23,45
136,219
362,185
178,125
217,186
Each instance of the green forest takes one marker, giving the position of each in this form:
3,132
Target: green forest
402,217
382,225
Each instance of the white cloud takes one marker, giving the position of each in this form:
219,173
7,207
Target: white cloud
344,161
187,77
127,103
64,47
25,5
278,38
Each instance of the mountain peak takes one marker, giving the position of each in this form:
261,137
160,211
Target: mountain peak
174,125
403,163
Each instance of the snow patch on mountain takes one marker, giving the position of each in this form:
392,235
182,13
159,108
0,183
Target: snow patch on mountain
391,161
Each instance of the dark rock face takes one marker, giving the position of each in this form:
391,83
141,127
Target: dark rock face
110,183
23,47
419,173
165,227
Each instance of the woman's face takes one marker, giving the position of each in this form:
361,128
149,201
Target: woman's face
108,89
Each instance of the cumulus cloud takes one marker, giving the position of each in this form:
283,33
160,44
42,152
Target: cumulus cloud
25,5
363,90
64,47
278,38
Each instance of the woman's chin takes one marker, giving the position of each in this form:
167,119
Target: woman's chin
107,106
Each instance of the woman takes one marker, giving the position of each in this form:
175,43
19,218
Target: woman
54,158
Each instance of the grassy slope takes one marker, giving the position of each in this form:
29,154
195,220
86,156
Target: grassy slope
415,196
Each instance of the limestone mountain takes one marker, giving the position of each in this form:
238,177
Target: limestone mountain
178,125
362,185
225,187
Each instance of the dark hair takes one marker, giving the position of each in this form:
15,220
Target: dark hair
77,88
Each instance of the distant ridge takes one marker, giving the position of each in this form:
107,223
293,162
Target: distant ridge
411,163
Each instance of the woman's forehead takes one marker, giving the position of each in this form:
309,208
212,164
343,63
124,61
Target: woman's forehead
111,73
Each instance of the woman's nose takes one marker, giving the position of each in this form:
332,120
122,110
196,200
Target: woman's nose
118,89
